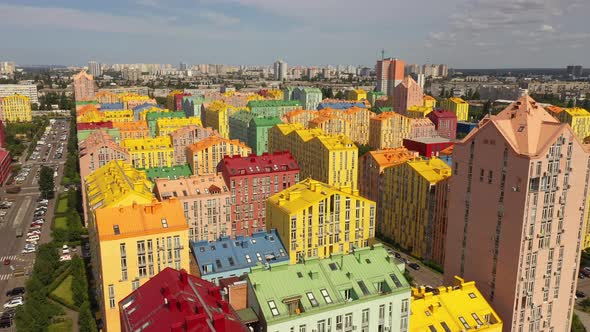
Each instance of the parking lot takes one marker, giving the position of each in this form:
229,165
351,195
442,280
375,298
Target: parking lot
25,217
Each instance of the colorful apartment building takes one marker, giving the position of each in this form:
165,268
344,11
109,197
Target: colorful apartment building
194,305
131,244
363,291
272,108
118,115
418,112
150,152
373,96
459,307
458,106
342,104
143,110
445,123
300,116
185,136
252,129
113,132
407,94
413,206
216,115
315,219
153,117
387,130
251,181
5,168
106,97
133,129
308,97
204,156
371,166
84,88
228,257
578,119
331,124
132,100
15,108
171,99
91,115
429,101
165,126
427,146
390,73
356,94
82,104
171,173
97,150
328,158
517,204
191,105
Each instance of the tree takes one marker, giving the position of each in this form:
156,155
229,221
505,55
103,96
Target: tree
340,95
570,103
577,325
475,95
46,182
327,93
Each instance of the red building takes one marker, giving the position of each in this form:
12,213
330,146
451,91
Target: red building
252,180
178,302
94,125
178,100
2,136
5,161
445,123
427,146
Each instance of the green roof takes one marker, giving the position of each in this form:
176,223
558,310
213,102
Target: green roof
308,89
359,273
83,134
150,116
88,102
242,115
171,173
267,121
376,93
273,103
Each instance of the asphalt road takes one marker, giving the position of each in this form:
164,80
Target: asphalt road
425,276
20,215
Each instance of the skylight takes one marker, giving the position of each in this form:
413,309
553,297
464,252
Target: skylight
164,223
273,308
312,300
326,296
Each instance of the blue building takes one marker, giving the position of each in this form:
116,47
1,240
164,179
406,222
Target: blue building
111,106
137,109
464,128
340,106
229,257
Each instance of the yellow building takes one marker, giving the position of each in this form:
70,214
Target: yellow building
356,94
300,116
388,130
578,119
130,100
429,101
106,97
458,106
332,159
142,115
132,244
170,99
165,126
331,125
116,184
417,112
460,307
133,129
204,155
118,115
150,152
412,206
274,94
315,219
216,115
15,108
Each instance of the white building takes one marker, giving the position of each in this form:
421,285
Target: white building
94,68
280,70
29,90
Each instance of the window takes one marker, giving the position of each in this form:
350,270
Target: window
312,300
141,259
302,328
112,296
333,266
116,229
248,259
395,280
472,295
123,261
321,326
164,223
326,296
339,323
365,317
464,322
273,308
135,284
476,318
445,326
348,320
405,306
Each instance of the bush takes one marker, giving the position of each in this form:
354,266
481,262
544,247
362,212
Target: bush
86,322
577,325
433,266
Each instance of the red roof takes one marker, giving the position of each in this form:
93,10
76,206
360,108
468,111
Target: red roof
94,125
176,301
265,163
3,154
442,114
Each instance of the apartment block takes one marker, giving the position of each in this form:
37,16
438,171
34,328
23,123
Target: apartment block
132,100
251,181
413,206
429,101
191,105
428,146
272,108
390,73
106,97
133,129
216,115
150,152
28,90
418,112
165,126
356,94
131,244
300,116
152,119
117,115
458,106
84,88
579,121
407,94
15,108
445,123
186,136
388,130
308,97
205,202
328,158
363,291
312,222
516,211
204,156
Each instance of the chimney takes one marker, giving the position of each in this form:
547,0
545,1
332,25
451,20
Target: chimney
219,322
193,321
183,277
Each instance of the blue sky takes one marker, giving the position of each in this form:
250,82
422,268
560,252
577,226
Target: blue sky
462,33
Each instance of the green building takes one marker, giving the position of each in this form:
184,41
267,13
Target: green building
152,117
191,105
171,173
239,124
114,132
252,129
308,97
269,108
374,95
362,291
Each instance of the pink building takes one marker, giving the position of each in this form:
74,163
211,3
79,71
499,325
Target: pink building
445,123
390,73
517,205
84,88
205,201
186,136
251,181
5,169
422,128
406,94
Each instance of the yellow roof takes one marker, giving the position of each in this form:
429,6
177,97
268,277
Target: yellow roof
212,140
453,303
577,111
140,220
427,97
392,156
457,100
433,170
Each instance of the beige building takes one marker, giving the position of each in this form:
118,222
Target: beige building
84,88
185,136
204,156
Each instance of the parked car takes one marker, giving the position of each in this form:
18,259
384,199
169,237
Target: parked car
15,291
13,303
5,322
585,272
580,294
414,266
33,237
64,258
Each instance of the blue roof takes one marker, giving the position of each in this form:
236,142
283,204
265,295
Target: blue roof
241,253
341,106
111,106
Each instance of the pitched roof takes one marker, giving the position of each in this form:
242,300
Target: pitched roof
265,163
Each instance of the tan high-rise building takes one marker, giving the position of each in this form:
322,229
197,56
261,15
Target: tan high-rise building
84,86
516,206
390,73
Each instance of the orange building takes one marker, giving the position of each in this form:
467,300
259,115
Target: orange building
134,129
300,116
204,156
388,130
331,124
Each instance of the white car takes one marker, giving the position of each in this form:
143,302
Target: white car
33,238
63,258
13,303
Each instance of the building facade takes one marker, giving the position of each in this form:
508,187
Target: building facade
15,108
445,123
28,90
150,152
186,136
84,88
407,94
204,156
458,106
165,126
133,129
390,73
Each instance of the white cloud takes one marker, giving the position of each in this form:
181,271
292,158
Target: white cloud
218,18
546,28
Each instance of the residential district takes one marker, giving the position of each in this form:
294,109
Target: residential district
404,204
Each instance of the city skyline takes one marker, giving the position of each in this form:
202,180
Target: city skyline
476,34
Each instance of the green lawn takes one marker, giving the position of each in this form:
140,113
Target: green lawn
62,205
64,290
60,222
65,326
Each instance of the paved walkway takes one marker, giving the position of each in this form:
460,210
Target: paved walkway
584,318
